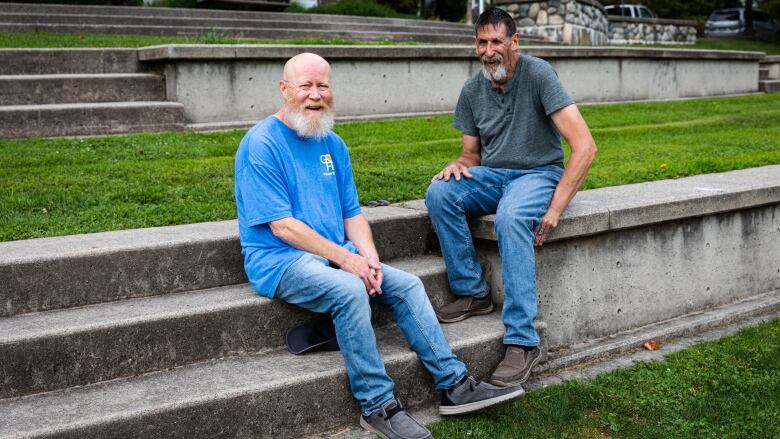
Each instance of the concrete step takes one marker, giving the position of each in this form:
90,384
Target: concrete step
763,74
223,23
241,32
264,395
103,267
64,348
769,86
80,88
25,8
68,61
52,120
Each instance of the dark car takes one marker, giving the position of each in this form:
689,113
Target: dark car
731,22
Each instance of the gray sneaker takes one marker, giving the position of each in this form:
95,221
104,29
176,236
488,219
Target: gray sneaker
516,366
393,422
471,395
463,308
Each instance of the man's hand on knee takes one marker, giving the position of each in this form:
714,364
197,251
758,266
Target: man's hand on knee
454,169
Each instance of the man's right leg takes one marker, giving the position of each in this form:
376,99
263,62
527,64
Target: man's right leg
312,284
450,205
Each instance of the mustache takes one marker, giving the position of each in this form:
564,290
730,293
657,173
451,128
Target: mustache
495,58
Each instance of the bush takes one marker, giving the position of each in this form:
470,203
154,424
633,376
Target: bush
363,8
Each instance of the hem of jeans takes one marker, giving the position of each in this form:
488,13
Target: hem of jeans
457,380
521,342
379,406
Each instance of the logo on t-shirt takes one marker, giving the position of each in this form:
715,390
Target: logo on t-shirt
326,160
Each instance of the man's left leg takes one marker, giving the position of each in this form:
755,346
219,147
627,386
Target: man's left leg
405,295
520,210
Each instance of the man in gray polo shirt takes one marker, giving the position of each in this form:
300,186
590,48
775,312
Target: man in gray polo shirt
512,115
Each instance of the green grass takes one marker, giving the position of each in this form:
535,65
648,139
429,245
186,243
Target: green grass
65,186
746,44
41,40
724,389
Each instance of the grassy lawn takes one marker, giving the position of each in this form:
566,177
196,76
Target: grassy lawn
729,388
42,40
754,45
66,186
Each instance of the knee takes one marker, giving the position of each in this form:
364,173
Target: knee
439,195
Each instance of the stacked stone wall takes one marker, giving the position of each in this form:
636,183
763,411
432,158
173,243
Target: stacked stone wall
574,22
625,30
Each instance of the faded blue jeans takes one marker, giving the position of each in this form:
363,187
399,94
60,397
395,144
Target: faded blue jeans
312,284
519,198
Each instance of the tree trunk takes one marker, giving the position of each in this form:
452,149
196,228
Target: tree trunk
749,18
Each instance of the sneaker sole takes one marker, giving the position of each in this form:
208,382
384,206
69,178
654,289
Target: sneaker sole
521,380
479,405
368,427
478,312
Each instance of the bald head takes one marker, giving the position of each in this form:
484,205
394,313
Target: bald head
305,64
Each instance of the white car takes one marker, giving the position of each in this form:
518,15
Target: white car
634,11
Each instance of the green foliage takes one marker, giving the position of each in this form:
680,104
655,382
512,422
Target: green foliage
65,186
724,389
451,10
177,3
363,8
51,40
772,7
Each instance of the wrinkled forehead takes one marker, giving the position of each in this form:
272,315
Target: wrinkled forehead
312,71
490,31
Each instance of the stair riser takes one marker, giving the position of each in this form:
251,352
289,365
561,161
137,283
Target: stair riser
39,91
275,34
306,407
210,23
101,354
199,13
47,61
88,121
98,277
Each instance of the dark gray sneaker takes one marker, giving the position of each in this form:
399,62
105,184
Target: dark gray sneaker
393,422
516,366
471,395
463,308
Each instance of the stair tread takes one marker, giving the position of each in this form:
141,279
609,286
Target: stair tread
19,328
91,105
51,76
208,381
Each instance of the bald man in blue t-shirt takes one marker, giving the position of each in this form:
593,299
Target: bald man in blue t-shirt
305,241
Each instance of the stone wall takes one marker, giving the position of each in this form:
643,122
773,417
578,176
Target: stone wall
575,22
627,30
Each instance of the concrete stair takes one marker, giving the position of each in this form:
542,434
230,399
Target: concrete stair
154,333
81,92
769,74
180,21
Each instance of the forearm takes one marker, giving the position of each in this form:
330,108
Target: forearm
301,236
572,178
358,231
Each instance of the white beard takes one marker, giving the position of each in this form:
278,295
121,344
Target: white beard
310,127
499,75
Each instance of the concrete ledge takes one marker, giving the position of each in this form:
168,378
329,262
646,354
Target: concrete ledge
62,61
83,88
52,273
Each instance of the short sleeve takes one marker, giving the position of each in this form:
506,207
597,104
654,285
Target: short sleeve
464,116
551,92
264,194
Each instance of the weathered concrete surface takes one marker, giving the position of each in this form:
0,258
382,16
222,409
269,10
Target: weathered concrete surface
61,272
73,88
78,119
64,61
270,395
242,79
769,85
64,348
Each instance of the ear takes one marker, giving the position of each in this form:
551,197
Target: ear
516,41
282,88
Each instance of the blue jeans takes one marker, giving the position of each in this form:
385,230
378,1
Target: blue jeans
519,198
312,284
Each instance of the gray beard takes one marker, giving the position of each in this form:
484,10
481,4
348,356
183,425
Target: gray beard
310,128
497,76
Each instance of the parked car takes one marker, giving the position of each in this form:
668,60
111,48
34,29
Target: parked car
731,22
635,11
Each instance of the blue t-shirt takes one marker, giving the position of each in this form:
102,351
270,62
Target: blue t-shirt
279,175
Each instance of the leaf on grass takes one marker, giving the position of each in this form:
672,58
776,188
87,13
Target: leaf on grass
651,345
